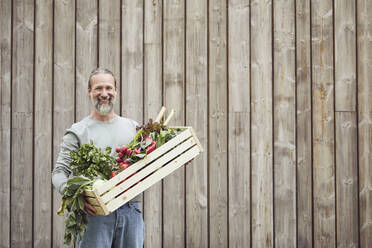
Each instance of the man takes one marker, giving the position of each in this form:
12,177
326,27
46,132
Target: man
125,226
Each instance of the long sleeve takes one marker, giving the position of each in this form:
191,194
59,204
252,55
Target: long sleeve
62,170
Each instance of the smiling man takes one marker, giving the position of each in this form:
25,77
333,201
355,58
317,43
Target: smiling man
125,226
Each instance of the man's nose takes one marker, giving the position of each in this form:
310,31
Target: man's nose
104,93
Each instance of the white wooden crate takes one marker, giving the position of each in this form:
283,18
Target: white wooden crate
111,195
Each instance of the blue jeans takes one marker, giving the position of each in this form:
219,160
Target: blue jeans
123,228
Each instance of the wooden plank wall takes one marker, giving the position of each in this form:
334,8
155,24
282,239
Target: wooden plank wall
279,93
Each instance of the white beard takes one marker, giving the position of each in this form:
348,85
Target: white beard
103,108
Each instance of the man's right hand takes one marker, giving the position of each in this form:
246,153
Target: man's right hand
89,208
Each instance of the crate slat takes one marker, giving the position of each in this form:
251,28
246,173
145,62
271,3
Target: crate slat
152,156
154,178
148,169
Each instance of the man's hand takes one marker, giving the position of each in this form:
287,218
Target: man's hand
89,208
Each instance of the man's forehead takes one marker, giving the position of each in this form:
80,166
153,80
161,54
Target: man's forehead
102,79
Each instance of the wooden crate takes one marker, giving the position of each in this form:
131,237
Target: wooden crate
138,177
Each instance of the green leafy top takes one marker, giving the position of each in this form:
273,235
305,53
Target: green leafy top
91,162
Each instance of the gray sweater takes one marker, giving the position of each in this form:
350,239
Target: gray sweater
118,132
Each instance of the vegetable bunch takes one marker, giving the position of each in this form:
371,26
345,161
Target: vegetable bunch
77,219
148,138
88,164
92,162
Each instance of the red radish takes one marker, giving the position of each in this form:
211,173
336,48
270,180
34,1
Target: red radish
150,148
124,149
129,151
118,149
114,173
120,154
119,160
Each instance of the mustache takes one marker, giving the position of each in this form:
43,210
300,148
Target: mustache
101,98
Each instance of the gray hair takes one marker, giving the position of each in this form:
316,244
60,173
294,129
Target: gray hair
99,70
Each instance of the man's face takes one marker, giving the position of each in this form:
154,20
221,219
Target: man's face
103,93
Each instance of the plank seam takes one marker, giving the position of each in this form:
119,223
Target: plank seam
227,127
208,130
296,122
97,33
357,114
33,131
75,83
184,115
334,119
11,123
143,86
250,126
52,128
162,101
272,122
121,60
312,124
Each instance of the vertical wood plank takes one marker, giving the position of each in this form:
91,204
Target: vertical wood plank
284,124
261,114
43,123
132,60
239,120
5,122
345,52
86,53
109,41
152,105
323,124
197,117
303,125
174,82
347,178
364,42
64,87
218,111
22,124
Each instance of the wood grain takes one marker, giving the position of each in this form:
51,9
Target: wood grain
218,164
196,99
109,41
22,124
43,123
152,104
364,42
239,120
261,127
284,124
63,91
132,61
345,52
5,122
323,124
347,180
303,126
86,54
173,95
